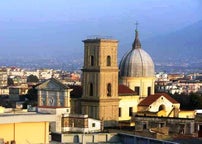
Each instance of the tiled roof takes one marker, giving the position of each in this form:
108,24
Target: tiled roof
77,91
124,90
152,98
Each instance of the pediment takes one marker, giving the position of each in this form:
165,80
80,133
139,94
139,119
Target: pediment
52,84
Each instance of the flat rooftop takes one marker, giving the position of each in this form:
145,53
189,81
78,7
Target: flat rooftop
6,118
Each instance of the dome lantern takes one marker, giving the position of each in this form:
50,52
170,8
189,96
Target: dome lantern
136,43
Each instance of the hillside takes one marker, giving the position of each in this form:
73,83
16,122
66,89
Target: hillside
184,44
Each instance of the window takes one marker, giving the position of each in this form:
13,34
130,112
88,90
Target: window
182,128
91,89
65,122
93,124
108,61
67,110
144,125
149,91
130,111
162,107
119,112
137,90
90,111
92,60
200,127
109,89
161,125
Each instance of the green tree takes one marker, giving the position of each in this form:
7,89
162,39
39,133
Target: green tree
32,94
195,101
189,101
32,78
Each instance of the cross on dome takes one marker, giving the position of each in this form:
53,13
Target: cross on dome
136,43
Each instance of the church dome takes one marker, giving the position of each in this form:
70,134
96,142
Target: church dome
137,62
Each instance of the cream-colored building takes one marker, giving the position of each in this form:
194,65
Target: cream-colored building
4,90
80,123
3,78
56,125
128,101
159,104
25,127
53,93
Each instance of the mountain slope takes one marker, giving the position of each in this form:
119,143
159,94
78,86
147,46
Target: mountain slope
182,44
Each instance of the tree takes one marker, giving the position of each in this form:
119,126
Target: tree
189,101
195,101
32,78
32,96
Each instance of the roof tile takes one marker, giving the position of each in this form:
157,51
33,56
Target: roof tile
124,90
152,98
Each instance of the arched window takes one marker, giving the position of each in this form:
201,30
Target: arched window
92,60
149,91
137,90
130,111
162,107
109,87
108,61
91,89
119,112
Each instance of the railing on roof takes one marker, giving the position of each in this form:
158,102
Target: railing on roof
134,139
98,37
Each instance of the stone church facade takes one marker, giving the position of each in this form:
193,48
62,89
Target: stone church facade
53,93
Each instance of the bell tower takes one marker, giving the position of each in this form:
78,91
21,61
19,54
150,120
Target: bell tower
100,80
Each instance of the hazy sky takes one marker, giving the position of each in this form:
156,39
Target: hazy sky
60,25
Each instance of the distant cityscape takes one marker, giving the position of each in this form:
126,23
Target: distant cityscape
75,62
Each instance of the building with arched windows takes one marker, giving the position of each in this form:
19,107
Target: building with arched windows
113,94
100,80
125,95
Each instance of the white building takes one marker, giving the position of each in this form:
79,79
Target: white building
80,123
